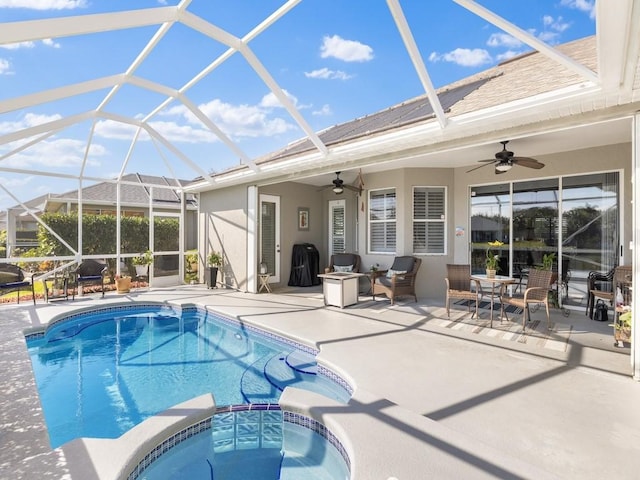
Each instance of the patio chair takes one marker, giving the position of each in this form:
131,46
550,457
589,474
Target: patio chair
458,282
12,279
601,285
89,272
620,275
343,262
535,293
397,281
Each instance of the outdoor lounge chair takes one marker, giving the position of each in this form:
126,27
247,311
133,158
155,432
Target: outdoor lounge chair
458,282
399,280
89,272
343,262
536,293
12,279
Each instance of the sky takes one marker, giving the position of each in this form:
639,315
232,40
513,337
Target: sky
336,60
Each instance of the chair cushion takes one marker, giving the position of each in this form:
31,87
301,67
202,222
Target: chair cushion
343,268
88,278
404,264
391,273
12,285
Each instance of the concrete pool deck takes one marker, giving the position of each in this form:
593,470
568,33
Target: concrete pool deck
433,398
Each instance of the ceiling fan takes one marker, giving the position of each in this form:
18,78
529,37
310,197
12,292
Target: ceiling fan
338,185
505,160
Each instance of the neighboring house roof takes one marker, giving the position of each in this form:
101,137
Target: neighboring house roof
130,195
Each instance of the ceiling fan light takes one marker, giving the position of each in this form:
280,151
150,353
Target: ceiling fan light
503,167
338,189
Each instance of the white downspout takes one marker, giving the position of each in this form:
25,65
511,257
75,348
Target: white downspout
635,249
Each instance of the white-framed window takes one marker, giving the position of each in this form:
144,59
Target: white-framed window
429,220
382,221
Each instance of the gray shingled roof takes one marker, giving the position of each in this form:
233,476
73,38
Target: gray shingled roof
132,194
524,76
412,111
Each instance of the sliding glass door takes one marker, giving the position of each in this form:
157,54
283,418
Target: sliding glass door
591,222
576,219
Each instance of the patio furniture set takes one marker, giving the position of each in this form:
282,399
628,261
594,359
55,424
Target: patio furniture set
341,279
58,285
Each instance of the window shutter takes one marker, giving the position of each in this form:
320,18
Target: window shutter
429,220
382,221
338,235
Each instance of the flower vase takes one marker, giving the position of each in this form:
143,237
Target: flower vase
491,273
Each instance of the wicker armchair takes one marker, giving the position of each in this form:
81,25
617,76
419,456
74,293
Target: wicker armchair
344,260
536,292
458,282
399,280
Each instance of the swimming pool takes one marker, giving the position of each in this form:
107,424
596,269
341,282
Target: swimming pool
100,373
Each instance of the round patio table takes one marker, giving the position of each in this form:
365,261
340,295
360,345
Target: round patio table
495,280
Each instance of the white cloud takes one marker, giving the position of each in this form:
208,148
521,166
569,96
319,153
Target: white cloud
53,153
15,46
44,4
464,57
587,6
328,74
49,42
172,131
346,50
5,67
506,55
503,40
271,101
549,37
244,120
556,24
324,111
28,120
16,182
234,120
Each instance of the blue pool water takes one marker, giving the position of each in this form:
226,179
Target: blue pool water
251,445
99,374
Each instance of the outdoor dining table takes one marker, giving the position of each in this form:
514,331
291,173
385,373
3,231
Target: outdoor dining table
495,280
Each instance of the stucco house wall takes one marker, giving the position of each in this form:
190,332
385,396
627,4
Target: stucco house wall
223,228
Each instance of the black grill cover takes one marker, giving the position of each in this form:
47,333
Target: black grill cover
305,264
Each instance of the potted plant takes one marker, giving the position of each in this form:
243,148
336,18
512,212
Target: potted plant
548,259
142,262
492,261
622,328
214,260
123,283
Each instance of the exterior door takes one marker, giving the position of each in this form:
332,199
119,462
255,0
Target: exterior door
337,230
269,253
165,269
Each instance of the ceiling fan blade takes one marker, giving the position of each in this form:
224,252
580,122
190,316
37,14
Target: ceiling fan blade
480,166
325,186
352,188
528,162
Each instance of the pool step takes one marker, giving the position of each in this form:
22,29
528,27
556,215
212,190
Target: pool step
302,362
253,387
